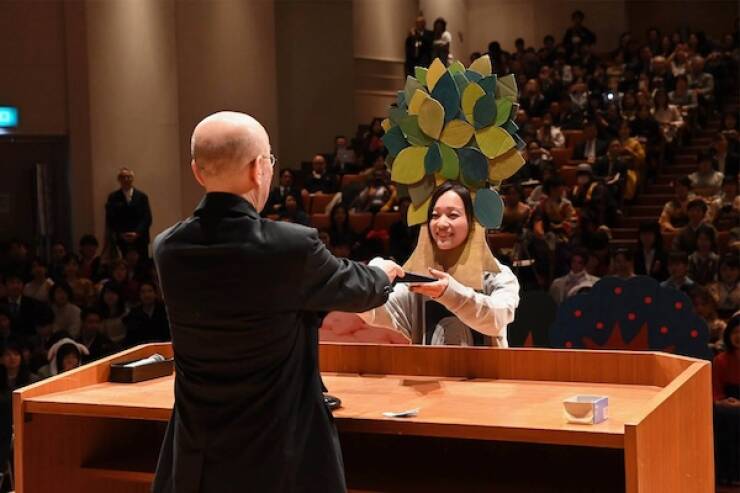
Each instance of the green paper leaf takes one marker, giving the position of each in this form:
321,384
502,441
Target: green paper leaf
433,159
394,141
412,85
420,192
408,166
445,91
503,111
473,76
450,162
488,84
482,65
456,67
457,133
410,127
418,215
417,100
397,114
473,92
401,99
431,118
489,208
421,75
484,112
493,141
473,164
505,165
470,184
506,88
435,71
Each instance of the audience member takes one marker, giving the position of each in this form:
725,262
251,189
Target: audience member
704,262
678,268
591,148
83,290
321,180
292,212
575,280
113,308
285,187
128,216
39,285
685,240
92,336
90,265
66,313
20,308
418,46
675,212
726,396
727,289
705,180
623,264
650,258
147,322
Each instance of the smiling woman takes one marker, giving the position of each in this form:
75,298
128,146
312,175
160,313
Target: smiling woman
446,312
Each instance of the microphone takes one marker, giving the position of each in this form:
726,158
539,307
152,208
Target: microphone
154,358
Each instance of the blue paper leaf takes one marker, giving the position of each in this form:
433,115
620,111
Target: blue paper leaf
445,91
473,76
394,141
510,127
473,164
488,84
489,208
397,114
433,159
484,112
401,99
520,144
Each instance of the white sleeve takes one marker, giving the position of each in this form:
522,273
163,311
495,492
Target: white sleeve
486,313
396,314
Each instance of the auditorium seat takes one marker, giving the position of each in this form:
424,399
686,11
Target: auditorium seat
320,221
384,220
572,137
569,175
349,179
501,241
319,201
360,221
561,156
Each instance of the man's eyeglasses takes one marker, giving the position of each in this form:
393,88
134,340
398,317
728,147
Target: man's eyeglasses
272,159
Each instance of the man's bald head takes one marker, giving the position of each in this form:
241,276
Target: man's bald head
224,142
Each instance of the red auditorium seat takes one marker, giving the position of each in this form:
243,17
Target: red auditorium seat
319,201
561,156
383,220
499,241
572,137
360,221
349,179
569,174
320,221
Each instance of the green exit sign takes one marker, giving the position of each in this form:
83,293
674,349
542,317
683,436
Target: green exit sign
8,116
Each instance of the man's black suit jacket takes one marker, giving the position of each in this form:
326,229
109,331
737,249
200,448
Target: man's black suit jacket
249,413
123,217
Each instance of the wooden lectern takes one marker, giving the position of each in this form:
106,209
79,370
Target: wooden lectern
488,420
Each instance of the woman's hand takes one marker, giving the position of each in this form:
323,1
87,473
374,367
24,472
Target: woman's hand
432,289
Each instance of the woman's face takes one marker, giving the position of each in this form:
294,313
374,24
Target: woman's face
735,337
110,298
703,243
70,362
290,203
340,215
647,238
286,179
120,273
60,297
11,359
728,274
449,224
38,270
71,268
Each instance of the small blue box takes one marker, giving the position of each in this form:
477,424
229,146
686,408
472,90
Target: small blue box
8,116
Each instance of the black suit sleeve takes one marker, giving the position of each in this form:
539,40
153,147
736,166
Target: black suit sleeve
331,283
145,222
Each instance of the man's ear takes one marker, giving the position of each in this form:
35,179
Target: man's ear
197,173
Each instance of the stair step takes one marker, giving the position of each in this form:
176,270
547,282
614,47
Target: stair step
658,189
623,243
635,221
668,179
652,199
651,211
624,233
689,159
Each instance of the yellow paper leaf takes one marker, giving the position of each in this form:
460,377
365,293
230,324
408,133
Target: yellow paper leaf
408,167
435,72
416,101
386,124
482,65
472,93
418,215
494,141
505,165
431,118
456,133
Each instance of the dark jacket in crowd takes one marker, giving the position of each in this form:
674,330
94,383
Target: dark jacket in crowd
142,328
122,216
241,292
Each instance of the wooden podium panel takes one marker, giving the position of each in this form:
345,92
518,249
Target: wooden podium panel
489,419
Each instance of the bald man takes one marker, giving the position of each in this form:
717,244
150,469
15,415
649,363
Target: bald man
241,291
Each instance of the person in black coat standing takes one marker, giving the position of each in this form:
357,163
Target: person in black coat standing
240,292
128,216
